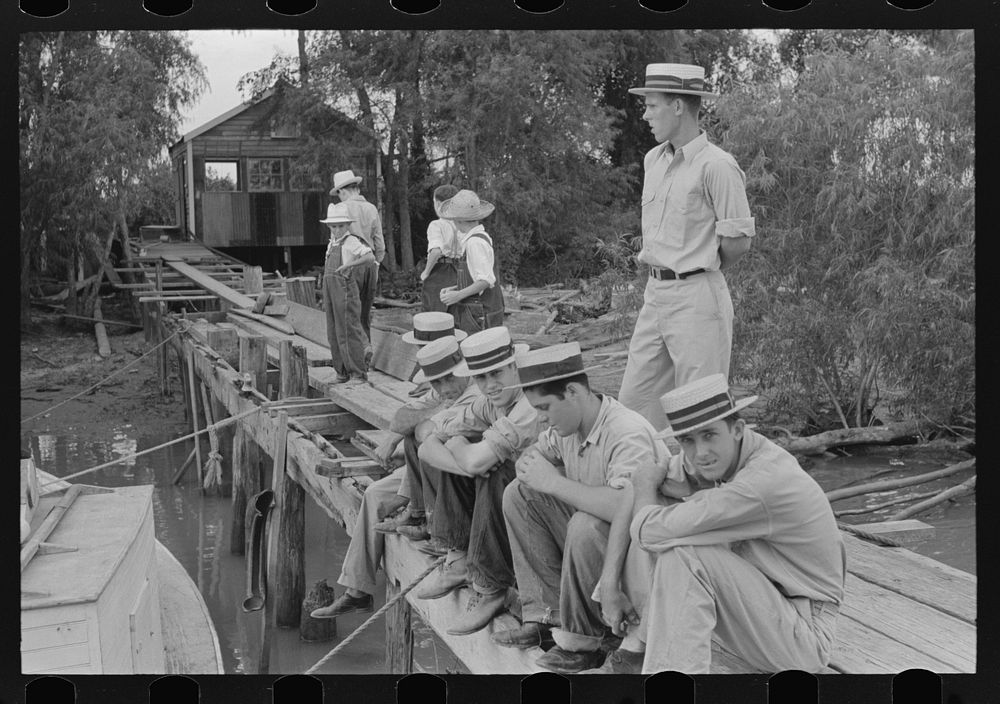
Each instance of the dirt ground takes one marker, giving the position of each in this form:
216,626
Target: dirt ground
59,360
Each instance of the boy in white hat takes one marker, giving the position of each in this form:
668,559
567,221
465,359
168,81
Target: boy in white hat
559,508
346,255
695,222
367,226
414,421
752,557
476,300
444,253
475,450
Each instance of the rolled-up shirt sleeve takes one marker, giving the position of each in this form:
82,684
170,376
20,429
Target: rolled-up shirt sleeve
509,435
726,514
479,259
435,236
548,446
726,189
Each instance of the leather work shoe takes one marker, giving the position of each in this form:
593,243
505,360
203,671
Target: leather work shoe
444,580
619,662
531,635
392,525
344,604
568,662
414,532
478,612
433,547
342,379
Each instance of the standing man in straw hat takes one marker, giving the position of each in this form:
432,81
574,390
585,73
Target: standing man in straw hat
477,299
559,508
752,557
367,225
346,256
415,421
695,222
468,513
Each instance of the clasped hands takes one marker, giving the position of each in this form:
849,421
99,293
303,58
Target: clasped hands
536,472
449,295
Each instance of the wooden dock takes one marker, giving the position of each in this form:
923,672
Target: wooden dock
901,610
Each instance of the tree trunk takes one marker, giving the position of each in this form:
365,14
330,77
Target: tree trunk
389,222
303,59
71,305
875,435
969,485
887,484
403,202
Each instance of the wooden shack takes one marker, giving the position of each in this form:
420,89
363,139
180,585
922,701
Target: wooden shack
236,190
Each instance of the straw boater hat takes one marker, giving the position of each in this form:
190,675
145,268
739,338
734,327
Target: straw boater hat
465,205
337,214
437,359
344,178
430,326
486,351
549,364
699,403
674,78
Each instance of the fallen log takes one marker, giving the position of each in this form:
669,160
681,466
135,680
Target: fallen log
102,320
875,435
966,487
885,504
848,492
100,332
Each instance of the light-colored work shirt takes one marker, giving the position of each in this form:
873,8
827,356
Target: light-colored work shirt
351,248
771,513
479,255
442,234
508,431
691,197
449,409
367,224
620,442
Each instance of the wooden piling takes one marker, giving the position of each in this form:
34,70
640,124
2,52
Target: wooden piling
290,500
224,340
253,360
301,289
253,279
398,632
194,414
246,483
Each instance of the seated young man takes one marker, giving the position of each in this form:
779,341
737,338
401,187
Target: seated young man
417,490
752,557
468,517
415,420
559,508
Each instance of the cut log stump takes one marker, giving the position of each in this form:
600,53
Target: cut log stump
314,630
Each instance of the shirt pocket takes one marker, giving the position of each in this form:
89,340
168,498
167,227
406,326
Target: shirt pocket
652,213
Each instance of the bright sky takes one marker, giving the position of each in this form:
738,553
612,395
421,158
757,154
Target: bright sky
227,55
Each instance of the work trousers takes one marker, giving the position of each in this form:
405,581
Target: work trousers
688,594
684,332
367,278
468,515
420,482
344,331
558,555
444,273
364,554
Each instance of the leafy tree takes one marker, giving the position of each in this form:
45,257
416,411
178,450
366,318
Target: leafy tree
95,111
860,287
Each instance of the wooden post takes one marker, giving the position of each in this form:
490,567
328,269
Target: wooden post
290,499
398,632
178,346
246,483
301,290
103,346
253,360
194,414
253,279
225,341
147,331
225,433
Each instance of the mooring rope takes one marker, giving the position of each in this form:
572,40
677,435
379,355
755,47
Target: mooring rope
371,619
113,374
221,423
872,537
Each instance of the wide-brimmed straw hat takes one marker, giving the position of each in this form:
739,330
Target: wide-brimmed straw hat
699,403
686,79
465,205
337,214
437,359
550,363
344,178
486,351
430,326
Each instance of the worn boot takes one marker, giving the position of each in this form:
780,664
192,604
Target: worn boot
414,532
569,662
444,580
479,611
406,518
619,662
530,635
344,604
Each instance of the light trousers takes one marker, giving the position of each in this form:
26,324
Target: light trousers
364,554
688,594
684,332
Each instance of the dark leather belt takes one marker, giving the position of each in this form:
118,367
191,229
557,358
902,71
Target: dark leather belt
669,274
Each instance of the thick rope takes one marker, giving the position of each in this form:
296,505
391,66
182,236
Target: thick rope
221,423
871,537
105,379
371,619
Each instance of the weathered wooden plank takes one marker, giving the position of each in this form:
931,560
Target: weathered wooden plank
210,284
363,400
918,577
398,632
393,356
318,355
863,650
333,424
279,325
308,322
351,468
906,532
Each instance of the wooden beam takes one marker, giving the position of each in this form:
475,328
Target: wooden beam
278,325
905,532
210,284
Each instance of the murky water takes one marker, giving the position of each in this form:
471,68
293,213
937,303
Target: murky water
195,526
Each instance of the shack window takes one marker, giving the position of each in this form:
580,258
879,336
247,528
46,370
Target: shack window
265,175
222,176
